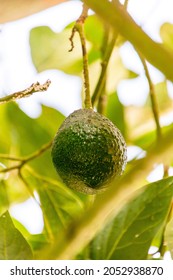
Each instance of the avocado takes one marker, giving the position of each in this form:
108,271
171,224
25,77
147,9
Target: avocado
88,151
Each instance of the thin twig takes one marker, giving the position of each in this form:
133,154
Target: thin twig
38,152
13,158
79,27
152,96
36,87
8,169
24,160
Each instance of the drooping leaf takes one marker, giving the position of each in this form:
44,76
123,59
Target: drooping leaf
13,246
59,204
130,234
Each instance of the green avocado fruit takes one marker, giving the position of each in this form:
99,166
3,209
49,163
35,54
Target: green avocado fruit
88,151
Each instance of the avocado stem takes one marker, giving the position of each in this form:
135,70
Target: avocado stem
80,29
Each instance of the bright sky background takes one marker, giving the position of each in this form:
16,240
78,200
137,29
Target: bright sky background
17,72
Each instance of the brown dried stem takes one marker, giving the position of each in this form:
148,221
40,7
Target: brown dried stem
36,87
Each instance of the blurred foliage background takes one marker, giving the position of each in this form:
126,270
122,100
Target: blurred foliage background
133,218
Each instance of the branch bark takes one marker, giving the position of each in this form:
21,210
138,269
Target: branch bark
26,92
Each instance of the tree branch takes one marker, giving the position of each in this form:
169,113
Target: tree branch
36,87
116,16
24,160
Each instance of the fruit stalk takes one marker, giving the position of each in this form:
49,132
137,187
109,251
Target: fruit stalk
87,101
79,27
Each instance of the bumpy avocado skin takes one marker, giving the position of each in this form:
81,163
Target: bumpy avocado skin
88,151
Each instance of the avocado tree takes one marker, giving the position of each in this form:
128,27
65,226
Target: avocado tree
91,209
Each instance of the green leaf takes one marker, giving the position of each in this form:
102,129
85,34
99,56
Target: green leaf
50,119
53,51
25,134
115,112
59,204
94,31
48,122
4,131
169,236
38,242
13,246
130,234
4,202
50,50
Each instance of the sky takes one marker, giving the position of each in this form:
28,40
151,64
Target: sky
18,72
